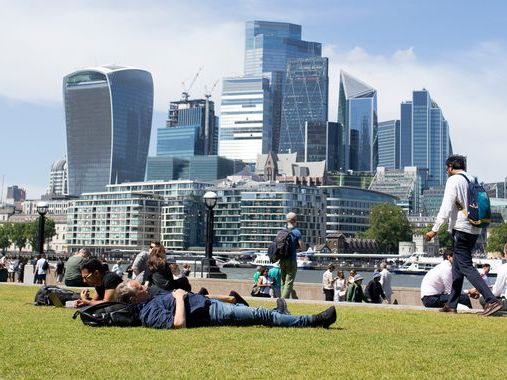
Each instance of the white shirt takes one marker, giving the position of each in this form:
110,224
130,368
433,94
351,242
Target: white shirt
500,287
327,280
456,189
438,280
385,281
39,265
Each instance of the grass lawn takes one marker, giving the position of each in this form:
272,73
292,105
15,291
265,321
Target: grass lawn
44,342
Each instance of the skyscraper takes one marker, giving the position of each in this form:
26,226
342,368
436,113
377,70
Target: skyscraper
58,184
268,48
430,143
108,113
389,144
321,143
305,99
357,112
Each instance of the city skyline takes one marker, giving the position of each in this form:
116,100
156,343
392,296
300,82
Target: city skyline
462,67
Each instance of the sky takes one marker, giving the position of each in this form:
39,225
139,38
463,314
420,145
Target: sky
456,50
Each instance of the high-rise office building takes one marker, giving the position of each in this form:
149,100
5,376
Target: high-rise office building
305,99
321,143
246,118
15,194
357,112
269,46
108,112
389,144
58,179
429,144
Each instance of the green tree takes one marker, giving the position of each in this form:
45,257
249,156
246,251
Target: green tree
32,231
5,237
19,235
388,226
49,229
497,238
444,237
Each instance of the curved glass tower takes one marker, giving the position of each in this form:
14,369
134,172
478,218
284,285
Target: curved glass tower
108,112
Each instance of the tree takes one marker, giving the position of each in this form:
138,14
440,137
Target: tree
32,229
19,235
497,238
388,226
444,237
5,237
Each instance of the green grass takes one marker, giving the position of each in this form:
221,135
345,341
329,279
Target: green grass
44,342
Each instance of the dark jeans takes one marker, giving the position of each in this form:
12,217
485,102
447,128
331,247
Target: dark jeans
462,266
441,299
329,293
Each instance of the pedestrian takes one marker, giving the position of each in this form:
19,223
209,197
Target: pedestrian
288,265
385,281
117,268
72,273
42,269
12,266
21,273
374,290
60,271
464,235
328,283
340,287
355,290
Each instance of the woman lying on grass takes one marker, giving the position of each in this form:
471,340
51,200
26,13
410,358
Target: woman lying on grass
179,309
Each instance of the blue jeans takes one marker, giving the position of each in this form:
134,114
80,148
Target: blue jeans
227,314
462,265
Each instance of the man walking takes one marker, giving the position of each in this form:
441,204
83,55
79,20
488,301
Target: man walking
464,236
385,281
289,265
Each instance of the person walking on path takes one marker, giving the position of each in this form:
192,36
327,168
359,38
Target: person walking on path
60,271
464,236
288,265
328,283
374,290
385,281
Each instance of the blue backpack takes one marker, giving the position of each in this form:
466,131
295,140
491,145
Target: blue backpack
478,209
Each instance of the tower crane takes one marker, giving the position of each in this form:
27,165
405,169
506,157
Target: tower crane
186,90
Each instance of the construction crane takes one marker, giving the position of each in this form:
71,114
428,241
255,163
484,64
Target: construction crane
207,138
186,90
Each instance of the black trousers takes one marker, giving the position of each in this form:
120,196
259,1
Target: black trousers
441,299
462,266
329,294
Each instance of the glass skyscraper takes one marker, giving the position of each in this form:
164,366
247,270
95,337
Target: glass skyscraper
305,99
389,144
430,143
108,113
357,112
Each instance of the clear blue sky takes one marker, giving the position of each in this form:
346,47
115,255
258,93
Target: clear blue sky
456,49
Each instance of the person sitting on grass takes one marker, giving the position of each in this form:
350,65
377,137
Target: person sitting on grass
159,273
95,273
180,309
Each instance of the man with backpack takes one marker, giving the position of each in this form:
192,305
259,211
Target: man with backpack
288,264
460,204
42,270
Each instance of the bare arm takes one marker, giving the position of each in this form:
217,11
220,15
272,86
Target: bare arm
180,321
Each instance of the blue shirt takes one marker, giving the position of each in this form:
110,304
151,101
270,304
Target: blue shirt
295,236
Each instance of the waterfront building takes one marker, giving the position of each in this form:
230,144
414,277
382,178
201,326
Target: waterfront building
404,184
56,206
348,208
246,127
350,178
305,100
113,220
58,185
182,211
357,112
389,144
15,194
424,137
108,113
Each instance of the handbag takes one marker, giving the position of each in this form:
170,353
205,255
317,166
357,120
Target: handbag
256,289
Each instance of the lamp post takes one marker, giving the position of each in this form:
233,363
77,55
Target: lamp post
42,209
212,271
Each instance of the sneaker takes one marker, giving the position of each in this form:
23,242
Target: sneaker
326,318
492,308
447,309
203,292
238,298
281,306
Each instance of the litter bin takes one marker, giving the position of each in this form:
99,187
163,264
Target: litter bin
3,275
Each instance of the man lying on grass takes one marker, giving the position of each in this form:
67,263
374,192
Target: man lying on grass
180,309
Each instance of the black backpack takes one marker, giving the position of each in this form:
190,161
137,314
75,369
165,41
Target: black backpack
45,265
43,295
109,314
280,247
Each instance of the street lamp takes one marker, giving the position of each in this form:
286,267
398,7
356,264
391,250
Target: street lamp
42,209
210,200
